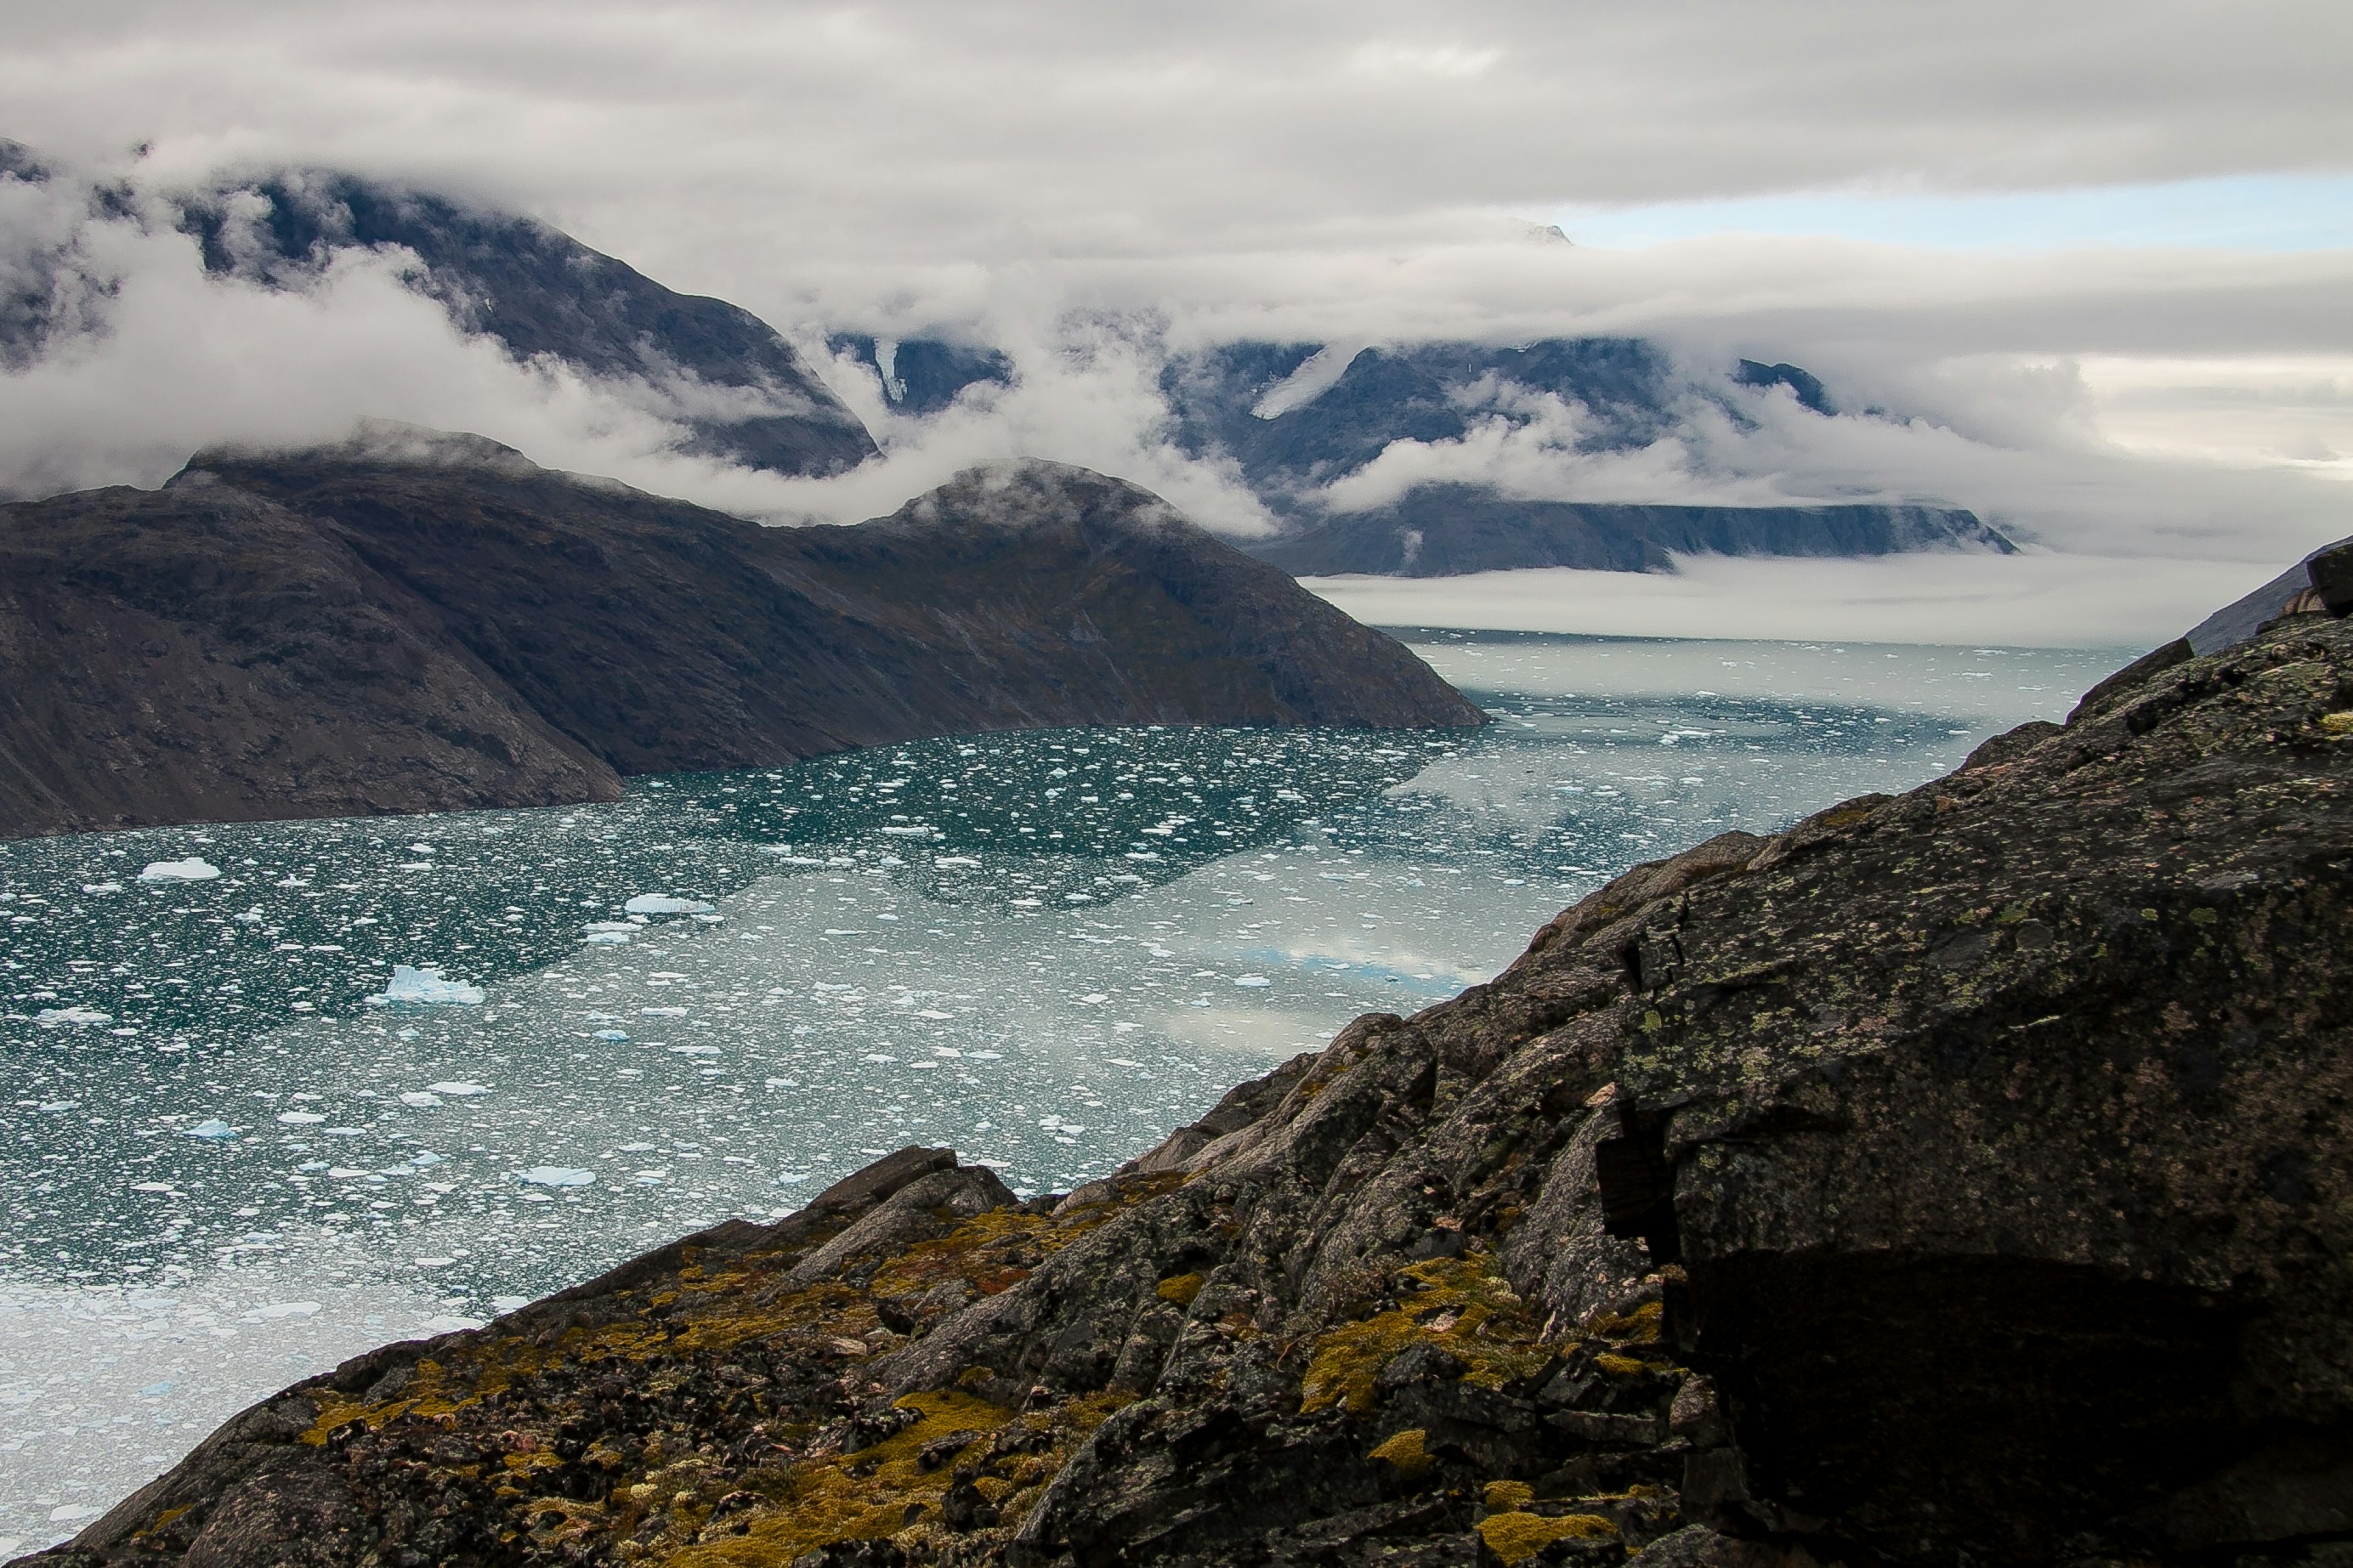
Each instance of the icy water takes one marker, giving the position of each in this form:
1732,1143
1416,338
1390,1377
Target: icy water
239,1146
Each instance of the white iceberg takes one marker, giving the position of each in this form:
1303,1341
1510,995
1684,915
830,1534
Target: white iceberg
300,1118
659,904
1252,981
213,1129
194,869
78,1016
420,1099
556,1176
456,1088
426,987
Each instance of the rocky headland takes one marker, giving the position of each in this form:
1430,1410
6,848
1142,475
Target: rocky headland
1958,1177
416,622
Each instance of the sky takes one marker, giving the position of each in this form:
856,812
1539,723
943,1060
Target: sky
2089,264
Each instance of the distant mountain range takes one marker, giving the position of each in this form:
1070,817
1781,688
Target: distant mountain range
419,622
1304,425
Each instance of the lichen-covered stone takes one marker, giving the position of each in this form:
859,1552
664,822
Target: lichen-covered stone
1956,1177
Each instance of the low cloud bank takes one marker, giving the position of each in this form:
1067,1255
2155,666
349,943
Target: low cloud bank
2007,601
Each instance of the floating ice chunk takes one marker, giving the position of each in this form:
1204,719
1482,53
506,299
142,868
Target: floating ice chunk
1122,1062
933,1013
607,939
154,1187
695,1050
284,1309
435,1262
101,888
426,987
74,1513
77,1016
912,830
1094,998
936,860
659,904
556,1176
509,1303
55,1106
787,1178
423,1099
301,1118
194,869
212,1128
874,1057
450,1323
1252,981
983,1055
612,1036
662,1012
251,917
456,1088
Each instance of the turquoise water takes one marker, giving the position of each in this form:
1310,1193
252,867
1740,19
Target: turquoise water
228,1162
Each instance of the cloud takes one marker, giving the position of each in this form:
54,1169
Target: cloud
2037,600
1089,186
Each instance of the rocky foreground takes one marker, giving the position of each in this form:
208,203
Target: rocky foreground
1956,1177
421,622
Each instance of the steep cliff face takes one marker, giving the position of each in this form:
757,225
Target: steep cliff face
437,623
1956,1177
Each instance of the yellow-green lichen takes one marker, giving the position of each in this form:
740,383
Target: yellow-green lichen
1181,1288
1405,1451
1516,1537
1459,1307
1507,1494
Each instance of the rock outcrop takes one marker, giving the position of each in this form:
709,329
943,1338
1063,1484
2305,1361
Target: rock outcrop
1964,1176
419,622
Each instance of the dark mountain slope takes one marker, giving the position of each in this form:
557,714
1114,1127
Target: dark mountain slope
201,654
413,611
1964,1177
712,365
923,375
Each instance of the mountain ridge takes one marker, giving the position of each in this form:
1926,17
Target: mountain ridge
381,627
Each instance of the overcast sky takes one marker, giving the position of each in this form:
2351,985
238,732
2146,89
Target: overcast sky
2101,250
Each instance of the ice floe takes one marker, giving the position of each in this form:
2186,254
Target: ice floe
194,869
426,987
556,1176
662,904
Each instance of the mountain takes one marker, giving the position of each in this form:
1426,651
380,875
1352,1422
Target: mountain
704,364
1959,1177
923,375
1296,418
418,622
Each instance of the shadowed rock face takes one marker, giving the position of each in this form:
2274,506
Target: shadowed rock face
1956,1177
430,623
